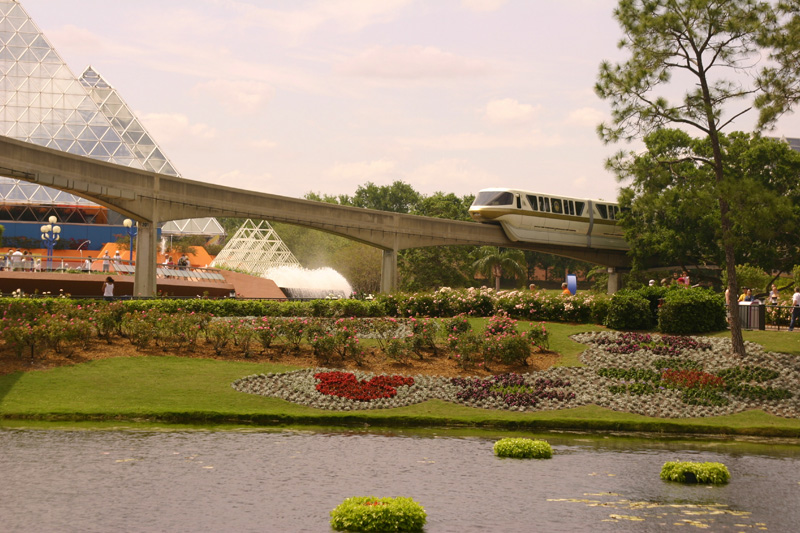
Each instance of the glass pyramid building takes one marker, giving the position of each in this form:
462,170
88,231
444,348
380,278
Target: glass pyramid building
255,248
43,102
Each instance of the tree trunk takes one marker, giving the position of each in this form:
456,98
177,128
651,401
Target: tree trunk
737,340
498,273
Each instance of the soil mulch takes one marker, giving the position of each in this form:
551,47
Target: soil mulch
439,364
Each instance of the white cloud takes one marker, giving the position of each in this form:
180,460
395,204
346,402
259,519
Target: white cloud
263,144
238,97
482,5
244,180
586,116
343,15
480,141
412,62
460,176
376,171
510,111
167,127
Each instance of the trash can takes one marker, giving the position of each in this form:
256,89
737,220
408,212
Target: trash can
752,315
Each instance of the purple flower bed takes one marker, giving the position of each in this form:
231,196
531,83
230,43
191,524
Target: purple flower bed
513,390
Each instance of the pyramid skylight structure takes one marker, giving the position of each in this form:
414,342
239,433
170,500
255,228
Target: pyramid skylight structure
125,124
206,227
255,248
42,100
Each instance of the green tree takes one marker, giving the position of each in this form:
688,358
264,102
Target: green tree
494,262
670,210
398,197
706,44
429,268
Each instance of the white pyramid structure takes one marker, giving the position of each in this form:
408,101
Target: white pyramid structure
255,248
208,226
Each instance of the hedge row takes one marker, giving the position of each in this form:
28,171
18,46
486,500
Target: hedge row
671,310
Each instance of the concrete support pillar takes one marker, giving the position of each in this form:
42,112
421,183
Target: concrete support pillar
613,280
389,271
144,281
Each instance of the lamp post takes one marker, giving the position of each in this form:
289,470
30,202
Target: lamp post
128,223
50,236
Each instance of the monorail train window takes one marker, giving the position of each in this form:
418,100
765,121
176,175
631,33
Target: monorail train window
556,203
612,212
544,204
533,202
494,198
603,210
579,208
571,207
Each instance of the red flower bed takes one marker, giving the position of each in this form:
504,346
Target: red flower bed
345,385
692,379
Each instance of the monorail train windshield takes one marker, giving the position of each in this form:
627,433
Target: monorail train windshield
494,198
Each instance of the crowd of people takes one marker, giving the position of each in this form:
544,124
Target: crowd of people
21,260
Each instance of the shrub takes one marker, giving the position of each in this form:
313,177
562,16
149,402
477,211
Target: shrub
539,337
600,306
457,325
629,310
690,472
398,349
293,330
523,448
383,330
692,311
367,513
324,345
514,349
424,335
138,328
654,295
467,348
219,333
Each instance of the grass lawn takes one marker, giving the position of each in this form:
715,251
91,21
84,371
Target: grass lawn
198,391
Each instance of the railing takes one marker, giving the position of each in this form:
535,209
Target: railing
78,265
778,316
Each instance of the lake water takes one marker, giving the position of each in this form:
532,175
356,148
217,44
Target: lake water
288,481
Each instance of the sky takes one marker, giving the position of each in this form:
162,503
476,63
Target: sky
295,96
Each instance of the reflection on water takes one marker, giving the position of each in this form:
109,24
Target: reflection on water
289,481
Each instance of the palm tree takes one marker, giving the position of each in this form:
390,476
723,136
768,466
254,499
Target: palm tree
494,262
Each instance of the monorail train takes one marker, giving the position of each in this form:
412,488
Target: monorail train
535,217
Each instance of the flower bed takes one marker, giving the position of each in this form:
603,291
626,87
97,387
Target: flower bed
515,391
345,385
623,382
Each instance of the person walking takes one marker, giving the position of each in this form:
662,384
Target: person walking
795,308
108,289
106,262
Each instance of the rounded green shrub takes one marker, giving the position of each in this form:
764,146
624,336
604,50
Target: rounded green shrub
520,448
689,472
688,311
367,513
629,310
